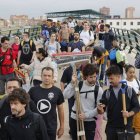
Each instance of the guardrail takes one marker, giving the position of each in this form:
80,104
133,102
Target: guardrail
129,39
33,31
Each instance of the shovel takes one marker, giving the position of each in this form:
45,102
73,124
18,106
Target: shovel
125,134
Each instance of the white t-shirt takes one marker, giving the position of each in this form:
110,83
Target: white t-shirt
71,24
134,85
86,36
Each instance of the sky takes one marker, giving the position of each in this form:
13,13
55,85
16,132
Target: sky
36,8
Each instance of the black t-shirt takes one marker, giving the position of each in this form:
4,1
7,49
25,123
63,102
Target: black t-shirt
46,101
67,74
27,49
51,30
75,45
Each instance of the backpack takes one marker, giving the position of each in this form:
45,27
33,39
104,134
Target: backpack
112,54
96,90
30,43
3,56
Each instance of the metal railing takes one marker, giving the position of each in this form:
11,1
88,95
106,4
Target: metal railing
129,39
33,31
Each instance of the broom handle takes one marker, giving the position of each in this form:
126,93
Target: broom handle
124,107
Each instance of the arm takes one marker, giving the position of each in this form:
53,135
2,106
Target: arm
14,64
91,39
69,49
60,131
83,49
34,54
18,59
69,91
62,85
134,105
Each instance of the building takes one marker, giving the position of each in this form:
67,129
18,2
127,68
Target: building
129,12
19,20
3,23
105,11
124,23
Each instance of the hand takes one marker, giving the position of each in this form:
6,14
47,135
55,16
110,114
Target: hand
125,114
82,116
74,79
100,108
31,60
60,132
22,66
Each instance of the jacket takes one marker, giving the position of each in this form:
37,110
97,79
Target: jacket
6,111
30,126
37,66
114,107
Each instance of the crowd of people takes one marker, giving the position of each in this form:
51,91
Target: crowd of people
32,114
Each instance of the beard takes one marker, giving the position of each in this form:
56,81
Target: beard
76,39
15,112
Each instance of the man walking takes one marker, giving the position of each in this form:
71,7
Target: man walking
48,98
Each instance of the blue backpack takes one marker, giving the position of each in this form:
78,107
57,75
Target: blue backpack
112,54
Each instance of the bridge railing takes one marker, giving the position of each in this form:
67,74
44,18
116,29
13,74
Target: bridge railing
33,31
129,39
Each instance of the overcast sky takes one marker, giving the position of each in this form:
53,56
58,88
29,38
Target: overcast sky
35,8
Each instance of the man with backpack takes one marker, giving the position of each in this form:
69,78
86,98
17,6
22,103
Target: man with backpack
90,94
27,50
113,102
7,63
23,124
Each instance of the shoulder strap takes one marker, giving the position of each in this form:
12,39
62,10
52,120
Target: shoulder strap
89,33
31,43
22,42
57,46
107,94
2,101
80,85
96,94
129,92
138,83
